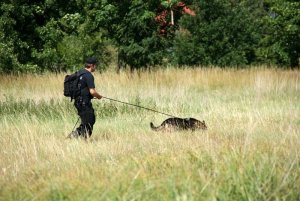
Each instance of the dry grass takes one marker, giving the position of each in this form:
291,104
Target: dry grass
249,152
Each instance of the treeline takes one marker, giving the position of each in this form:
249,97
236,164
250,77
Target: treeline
56,35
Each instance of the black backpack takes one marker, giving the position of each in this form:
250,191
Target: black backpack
72,85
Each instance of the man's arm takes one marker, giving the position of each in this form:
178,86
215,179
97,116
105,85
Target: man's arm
94,93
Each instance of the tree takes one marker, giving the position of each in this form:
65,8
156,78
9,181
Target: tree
136,36
51,35
17,36
223,33
72,33
281,41
57,35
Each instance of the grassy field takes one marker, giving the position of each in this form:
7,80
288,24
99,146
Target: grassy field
249,152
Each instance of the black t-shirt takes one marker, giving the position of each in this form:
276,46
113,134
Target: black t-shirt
87,82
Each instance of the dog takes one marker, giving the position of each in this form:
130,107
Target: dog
180,124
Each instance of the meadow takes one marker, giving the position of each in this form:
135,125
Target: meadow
249,152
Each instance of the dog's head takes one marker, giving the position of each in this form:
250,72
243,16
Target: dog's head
200,125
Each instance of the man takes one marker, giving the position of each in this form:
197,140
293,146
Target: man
83,102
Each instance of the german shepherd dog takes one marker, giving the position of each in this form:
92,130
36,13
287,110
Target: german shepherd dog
180,124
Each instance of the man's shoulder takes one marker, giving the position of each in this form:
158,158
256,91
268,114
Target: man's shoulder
85,73
88,77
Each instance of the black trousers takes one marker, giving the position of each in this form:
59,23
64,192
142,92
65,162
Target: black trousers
87,115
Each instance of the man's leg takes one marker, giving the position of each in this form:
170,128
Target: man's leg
86,112
87,122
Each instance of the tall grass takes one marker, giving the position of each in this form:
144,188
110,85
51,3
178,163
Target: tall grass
249,152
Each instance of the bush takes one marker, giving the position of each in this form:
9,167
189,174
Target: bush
222,33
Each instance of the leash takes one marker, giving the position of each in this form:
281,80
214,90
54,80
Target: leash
76,124
139,106
131,105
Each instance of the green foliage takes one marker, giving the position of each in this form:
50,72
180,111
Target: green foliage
136,35
72,37
169,3
222,33
281,41
56,35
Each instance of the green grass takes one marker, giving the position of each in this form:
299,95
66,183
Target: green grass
249,152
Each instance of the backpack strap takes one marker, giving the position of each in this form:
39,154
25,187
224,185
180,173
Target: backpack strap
79,74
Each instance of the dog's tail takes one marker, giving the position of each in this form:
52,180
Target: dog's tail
153,127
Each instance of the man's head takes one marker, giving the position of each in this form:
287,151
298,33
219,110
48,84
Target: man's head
90,64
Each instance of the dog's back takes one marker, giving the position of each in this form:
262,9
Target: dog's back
180,124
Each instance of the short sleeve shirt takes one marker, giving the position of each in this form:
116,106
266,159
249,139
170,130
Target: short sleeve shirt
87,82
